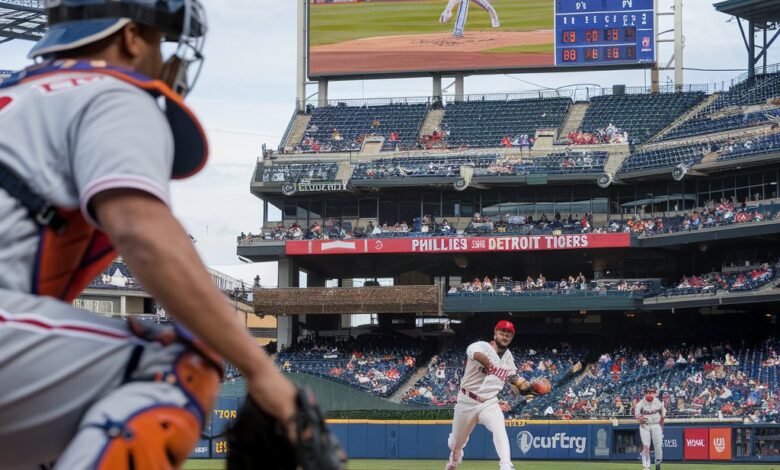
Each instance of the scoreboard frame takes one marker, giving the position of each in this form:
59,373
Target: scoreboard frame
605,36
304,55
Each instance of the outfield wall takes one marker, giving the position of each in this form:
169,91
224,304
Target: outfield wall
530,440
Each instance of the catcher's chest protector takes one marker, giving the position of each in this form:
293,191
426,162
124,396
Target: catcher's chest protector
68,259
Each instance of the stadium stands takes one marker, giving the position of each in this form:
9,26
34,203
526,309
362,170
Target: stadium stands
750,148
485,123
693,381
731,281
484,165
341,128
440,386
663,158
116,276
642,116
293,172
541,286
371,363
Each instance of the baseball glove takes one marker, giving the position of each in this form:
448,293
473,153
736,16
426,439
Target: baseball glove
258,440
540,386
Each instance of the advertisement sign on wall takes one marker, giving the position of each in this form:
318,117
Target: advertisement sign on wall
430,245
696,444
550,442
720,443
673,443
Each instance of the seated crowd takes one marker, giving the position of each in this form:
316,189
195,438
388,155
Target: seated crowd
507,286
441,384
713,214
376,364
731,281
609,135
692,381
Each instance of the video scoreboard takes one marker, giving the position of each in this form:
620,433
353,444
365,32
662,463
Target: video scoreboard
604,32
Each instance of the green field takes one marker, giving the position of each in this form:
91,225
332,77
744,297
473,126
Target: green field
347,21
492,465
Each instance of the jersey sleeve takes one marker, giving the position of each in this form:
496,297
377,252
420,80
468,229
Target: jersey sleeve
473,348
122,141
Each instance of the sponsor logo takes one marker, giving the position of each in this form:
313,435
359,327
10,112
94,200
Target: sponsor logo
338,246
720,444
601,449
670,443
201,449
527,441
646,41
327,186
695,442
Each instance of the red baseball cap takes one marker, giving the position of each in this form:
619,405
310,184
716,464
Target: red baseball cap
505,325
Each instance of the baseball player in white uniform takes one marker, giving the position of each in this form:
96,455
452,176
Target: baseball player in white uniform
488,367
463,13
651,413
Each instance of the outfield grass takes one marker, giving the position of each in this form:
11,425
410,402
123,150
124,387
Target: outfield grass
335,23
492,465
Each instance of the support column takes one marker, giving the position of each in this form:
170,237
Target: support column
436,92
286,325
751,50
459,86
678,45
300,75
322,93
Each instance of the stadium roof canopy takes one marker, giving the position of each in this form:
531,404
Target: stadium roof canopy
757,11
22,19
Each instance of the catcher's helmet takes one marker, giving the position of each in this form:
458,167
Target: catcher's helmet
76,23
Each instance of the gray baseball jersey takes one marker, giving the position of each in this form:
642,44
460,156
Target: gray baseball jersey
71,136
67,376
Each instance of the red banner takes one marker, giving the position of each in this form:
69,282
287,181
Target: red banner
720,443
696,444
427,245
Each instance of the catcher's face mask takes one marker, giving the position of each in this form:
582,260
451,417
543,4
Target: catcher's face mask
185,48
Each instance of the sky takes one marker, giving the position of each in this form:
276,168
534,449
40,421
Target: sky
246,96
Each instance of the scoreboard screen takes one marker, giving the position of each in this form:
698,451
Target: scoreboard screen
358,39
604,32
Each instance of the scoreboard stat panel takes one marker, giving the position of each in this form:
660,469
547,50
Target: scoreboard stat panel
604,32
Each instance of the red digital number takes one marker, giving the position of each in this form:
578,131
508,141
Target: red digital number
613,53
592,54
570,55
569,36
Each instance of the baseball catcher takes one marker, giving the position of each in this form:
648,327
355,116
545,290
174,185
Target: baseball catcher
91,137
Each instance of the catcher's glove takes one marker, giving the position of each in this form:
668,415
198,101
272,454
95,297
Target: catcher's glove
540,386
258,440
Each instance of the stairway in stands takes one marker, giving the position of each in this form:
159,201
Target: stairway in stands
299,128
615,161
418,374
344,173
691,112
432,122
574,119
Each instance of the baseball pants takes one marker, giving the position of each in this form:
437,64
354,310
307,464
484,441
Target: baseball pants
84,391
463,14
654,433
469,412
